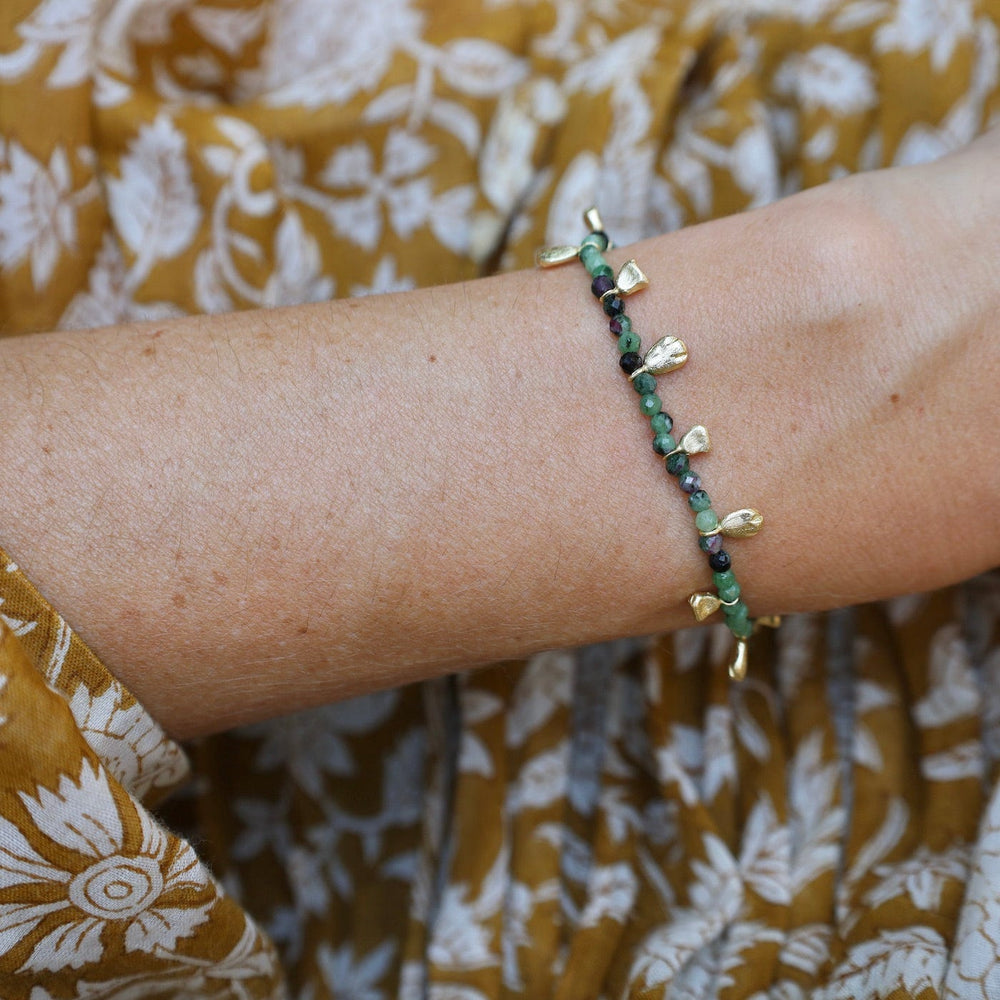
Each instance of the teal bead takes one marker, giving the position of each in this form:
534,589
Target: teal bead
663,444
624,323
724,578
736,612
699,501
629,342
662,424
741,628
707,520
597,240
591,258
729,592
644,383
650,404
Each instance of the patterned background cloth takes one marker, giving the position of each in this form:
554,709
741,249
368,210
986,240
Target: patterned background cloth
616,822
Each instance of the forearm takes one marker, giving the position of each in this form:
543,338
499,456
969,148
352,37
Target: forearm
249,513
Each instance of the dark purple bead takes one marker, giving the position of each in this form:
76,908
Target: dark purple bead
689,482
629,362
710,543
614,305
720,561
615,326
601,284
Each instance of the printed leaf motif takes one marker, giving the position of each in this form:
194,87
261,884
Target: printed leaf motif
954,692
474,757
153,202
479,68
902,962
456,119
962,761
764,856
545,685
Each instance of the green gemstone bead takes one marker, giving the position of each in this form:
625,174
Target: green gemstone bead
650,404
707,520
729,592
624,323
592,260
597,240
601,271
736,612
677,464
699,501
629,342
724,578
662,424
644,383
663,444
740,628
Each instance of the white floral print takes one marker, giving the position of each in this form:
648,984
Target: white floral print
38,207
141,894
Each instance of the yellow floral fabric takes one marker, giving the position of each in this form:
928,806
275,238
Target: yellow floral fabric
618,821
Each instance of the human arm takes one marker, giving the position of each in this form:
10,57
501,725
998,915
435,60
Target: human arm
246,514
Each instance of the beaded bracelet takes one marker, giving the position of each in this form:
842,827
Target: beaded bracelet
667,355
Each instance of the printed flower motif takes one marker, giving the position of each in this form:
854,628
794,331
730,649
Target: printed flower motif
101,885
322,52
310,744
406,196
55,23
935,25
827,77
37,211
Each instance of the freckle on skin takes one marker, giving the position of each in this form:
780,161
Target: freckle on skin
178,600
894,398
432,358
148,351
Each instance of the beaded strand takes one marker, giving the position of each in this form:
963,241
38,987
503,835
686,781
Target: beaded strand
667,355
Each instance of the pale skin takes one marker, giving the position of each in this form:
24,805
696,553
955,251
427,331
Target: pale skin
250,514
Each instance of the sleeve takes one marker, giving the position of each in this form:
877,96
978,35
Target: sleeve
97,897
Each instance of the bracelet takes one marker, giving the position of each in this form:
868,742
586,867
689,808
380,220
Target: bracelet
667,355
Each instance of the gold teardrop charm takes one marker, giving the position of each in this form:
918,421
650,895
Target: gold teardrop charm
703,605
554,256
592,220
630,279
738,667
666,355
741,523
696,441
